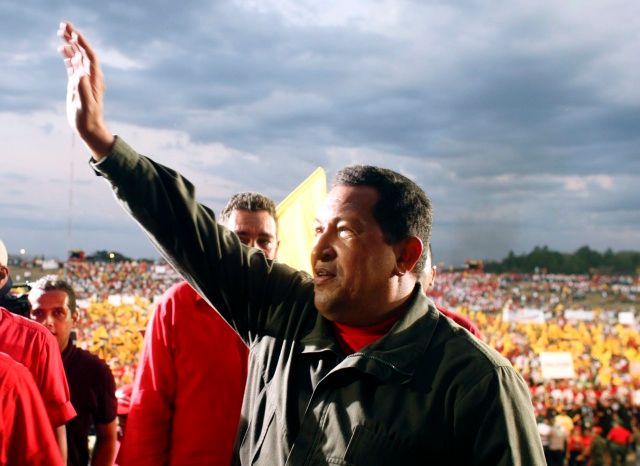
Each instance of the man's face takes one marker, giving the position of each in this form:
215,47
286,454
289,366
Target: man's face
51,309
255,229
352,265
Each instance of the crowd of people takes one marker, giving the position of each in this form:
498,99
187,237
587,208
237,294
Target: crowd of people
552,293
586,419
118,298
99,280
605,353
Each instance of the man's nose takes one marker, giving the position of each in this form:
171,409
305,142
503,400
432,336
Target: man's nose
49,320
323,249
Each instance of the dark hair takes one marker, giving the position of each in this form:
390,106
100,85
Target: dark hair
403,208
253,202
53,282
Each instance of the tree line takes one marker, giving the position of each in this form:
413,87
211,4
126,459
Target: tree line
583,261
541,259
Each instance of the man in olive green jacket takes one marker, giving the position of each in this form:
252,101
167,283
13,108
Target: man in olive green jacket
353,366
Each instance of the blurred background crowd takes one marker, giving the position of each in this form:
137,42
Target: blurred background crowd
584,325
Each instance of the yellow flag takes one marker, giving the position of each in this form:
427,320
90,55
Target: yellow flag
296,214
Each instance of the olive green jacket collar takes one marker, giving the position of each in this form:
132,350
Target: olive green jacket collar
394,356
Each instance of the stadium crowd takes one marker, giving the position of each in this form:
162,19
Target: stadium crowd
117,299
606,353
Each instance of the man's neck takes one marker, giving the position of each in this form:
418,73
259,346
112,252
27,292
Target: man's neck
66,347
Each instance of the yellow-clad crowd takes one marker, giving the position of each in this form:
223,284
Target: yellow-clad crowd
605,352
115,332
602,353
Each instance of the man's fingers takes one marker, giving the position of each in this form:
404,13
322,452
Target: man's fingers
85,92
63,31
67,32
73,60
78,64
88,50
66,51
77,44
85,61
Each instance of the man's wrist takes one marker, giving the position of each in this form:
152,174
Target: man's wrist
99,142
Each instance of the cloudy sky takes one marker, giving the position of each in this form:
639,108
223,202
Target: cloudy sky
521,120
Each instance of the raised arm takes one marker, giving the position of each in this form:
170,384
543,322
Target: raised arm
245,288
85,91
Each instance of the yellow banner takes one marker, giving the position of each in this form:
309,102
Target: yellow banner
296,214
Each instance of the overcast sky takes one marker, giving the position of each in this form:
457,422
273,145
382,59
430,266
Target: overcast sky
521,120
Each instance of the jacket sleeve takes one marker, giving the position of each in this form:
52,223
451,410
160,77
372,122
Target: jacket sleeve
495,424
236,280
147,439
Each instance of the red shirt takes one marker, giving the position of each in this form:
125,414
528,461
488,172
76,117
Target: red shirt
619,435
352,339
32,345
575,443
26,438
189,386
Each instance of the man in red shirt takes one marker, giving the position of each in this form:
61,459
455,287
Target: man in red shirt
53,304
428,279
25,436
190,381
619,438
30,344
33,346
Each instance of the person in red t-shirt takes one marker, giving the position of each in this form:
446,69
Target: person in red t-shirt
189,386
25,436
576,447
33,346
619,438
30,344
428,279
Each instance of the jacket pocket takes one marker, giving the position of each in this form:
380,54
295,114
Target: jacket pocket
371,445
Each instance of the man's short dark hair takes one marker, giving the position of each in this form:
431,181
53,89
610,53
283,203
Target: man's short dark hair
52,283
403,209
252,202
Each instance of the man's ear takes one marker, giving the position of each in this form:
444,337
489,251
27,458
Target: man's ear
4,275
434,273
75,316
408,252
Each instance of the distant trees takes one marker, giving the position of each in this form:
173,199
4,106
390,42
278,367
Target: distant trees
107,256
583,261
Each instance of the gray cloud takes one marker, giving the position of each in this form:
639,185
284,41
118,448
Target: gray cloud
520,122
